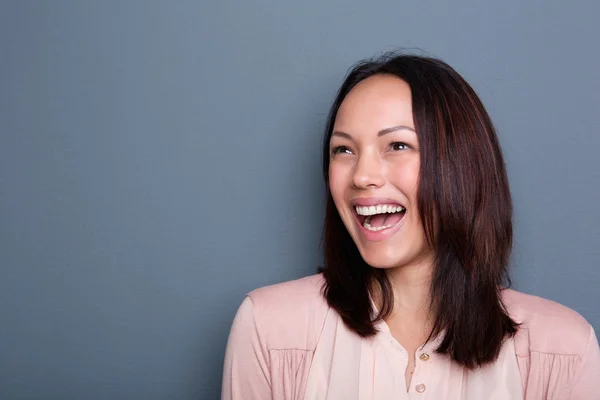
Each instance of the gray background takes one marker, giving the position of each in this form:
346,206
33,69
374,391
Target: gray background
159,159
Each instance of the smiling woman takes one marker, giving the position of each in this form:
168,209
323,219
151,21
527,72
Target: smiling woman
412,299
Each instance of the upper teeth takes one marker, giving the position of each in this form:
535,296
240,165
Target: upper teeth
380,209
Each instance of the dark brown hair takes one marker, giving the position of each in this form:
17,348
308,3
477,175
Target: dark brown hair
464,202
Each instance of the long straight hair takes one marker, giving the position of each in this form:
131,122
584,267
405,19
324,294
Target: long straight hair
464,204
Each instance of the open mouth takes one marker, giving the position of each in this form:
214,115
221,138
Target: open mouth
380,217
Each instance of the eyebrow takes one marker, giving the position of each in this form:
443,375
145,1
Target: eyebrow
379,134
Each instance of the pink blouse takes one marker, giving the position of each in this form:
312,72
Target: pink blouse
287,343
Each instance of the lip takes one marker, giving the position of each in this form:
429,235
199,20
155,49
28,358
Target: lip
378,235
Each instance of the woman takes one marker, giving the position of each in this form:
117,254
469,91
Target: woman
418,231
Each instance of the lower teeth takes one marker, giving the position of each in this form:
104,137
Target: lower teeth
376,228
368,226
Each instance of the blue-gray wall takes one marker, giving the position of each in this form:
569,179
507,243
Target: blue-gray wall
159,159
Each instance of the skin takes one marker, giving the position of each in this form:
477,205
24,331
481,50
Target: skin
371,157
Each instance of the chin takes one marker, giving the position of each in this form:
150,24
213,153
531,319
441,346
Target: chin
381,259
386,255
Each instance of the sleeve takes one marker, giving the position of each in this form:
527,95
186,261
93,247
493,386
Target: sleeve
587,374
246,370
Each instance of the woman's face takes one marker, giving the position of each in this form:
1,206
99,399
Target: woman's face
374,173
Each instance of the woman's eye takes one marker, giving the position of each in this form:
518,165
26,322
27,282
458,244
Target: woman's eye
340,150
397,146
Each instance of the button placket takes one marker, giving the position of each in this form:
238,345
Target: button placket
422,370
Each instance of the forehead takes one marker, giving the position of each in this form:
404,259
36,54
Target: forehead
375,103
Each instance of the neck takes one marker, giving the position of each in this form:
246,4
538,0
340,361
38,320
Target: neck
411,287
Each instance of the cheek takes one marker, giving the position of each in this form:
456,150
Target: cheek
337,181
405,177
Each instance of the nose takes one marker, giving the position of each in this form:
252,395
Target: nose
368,172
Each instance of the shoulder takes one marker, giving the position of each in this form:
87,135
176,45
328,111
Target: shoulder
282,296
550,327
290,314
